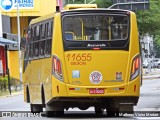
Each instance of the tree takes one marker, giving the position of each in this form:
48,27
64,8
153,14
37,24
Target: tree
157,45
149,23
103,3
149,20
100,3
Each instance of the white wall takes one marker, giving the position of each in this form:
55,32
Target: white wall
0,24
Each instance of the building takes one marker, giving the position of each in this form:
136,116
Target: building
28,9
2,60
147,47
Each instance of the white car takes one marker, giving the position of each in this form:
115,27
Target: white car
148,63
156,63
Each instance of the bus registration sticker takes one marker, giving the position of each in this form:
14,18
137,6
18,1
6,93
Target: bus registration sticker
95,77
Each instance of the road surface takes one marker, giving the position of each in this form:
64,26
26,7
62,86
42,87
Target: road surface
149,101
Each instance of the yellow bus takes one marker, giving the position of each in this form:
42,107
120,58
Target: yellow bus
87,57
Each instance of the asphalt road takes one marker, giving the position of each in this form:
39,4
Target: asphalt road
149,101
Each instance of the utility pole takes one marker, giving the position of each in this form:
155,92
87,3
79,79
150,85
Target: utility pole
19,40
149,60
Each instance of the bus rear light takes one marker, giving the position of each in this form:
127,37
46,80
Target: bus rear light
57,89
74,88
121,88
57,70
71,88
135,71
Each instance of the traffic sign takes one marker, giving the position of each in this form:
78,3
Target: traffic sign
6,5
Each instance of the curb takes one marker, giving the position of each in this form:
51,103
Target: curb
150,77
13,94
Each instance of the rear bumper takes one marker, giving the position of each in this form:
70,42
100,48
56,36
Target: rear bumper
93,101
128,89
72,93
79,96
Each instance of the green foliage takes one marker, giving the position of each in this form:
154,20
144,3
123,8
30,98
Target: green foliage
15,83
157,45
3,83
149,20
103,3
100,3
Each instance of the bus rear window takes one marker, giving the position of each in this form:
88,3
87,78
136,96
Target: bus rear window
112,30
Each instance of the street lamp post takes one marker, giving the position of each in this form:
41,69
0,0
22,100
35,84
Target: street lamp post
149,60
19,39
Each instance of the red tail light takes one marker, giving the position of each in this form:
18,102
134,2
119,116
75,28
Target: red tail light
57,70
135,71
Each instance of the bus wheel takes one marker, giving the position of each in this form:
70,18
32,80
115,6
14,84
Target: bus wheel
36,108
54,110
98,110
112,112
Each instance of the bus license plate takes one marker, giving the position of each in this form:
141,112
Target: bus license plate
96,91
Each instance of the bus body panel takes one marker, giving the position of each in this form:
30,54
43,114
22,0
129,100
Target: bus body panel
39,74
128,89
108,72
108,63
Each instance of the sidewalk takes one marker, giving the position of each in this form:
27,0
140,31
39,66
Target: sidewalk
153,74
19,92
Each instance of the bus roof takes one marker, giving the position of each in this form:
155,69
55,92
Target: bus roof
42,18
77,6
74,8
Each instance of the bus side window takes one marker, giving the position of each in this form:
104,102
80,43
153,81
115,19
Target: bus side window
26,52
30,43
36,43
48,29
42,31
42,40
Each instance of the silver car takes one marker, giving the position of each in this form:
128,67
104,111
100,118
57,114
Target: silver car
156,63
148,63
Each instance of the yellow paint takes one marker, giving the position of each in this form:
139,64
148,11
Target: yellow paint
13,64
23,24
107,62
77,6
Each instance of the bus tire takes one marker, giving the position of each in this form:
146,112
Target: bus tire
27,95
43,96
112,111
36,108
98,110
54,110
